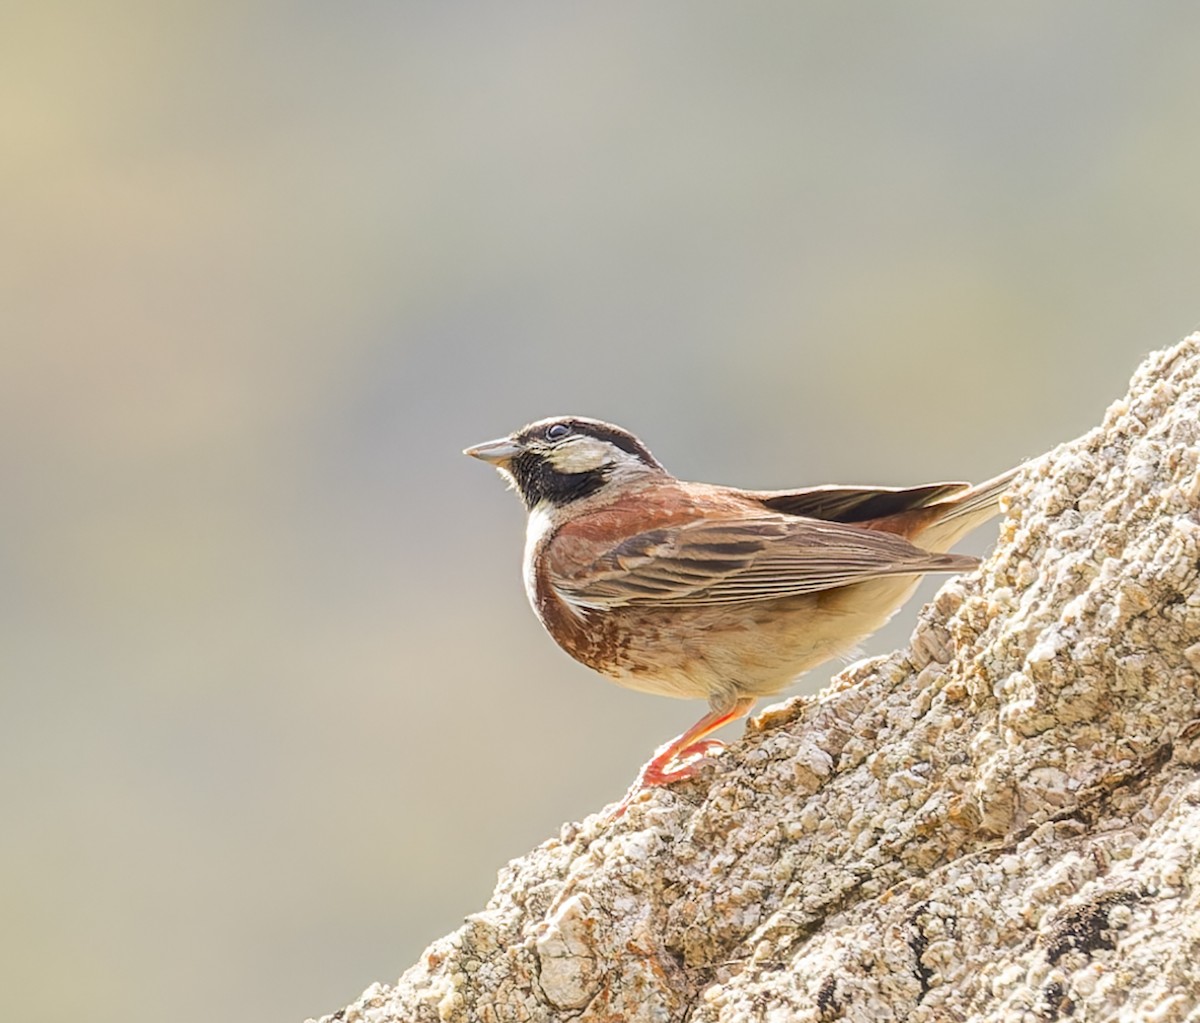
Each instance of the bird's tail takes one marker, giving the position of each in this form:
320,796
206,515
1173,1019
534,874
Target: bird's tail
962,512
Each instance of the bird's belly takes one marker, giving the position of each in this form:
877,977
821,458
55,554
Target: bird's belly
751,649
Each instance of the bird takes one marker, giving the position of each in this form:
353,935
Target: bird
696,590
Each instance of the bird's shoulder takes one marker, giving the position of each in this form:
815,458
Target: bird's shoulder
651,519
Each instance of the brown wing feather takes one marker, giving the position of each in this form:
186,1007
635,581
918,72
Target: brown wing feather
855,504
742,558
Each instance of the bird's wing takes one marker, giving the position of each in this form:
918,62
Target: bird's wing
855,504
747,558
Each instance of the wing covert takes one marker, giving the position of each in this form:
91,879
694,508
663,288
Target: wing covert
706,562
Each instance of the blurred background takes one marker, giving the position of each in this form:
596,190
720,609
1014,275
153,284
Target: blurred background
273,709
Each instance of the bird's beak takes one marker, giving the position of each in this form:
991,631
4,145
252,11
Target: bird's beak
497,452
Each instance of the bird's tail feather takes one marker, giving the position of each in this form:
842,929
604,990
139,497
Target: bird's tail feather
966,510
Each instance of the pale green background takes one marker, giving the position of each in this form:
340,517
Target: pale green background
273,709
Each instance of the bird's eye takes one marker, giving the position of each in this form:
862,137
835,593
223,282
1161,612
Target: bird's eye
557,431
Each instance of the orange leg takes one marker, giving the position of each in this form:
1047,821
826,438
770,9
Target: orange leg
684,755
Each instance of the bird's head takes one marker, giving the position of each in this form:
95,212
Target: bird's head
567,458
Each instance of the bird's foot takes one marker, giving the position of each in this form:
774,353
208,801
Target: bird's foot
670,763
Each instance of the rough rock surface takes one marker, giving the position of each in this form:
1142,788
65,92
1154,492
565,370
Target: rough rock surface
1001,823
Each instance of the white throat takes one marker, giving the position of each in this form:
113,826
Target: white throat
540,523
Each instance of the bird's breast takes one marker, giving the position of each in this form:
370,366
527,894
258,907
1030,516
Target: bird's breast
592,638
